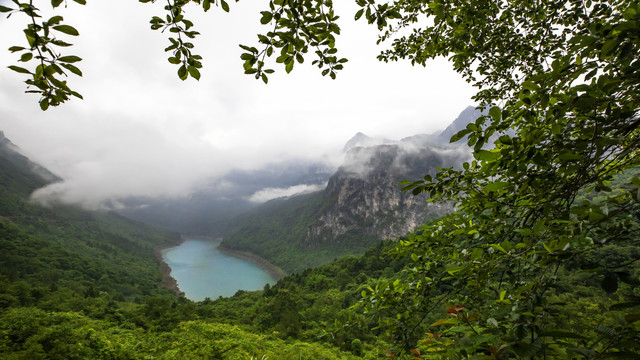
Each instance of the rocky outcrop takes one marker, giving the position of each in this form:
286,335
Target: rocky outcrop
366,198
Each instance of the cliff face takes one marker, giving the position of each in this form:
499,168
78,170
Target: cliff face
361,205
366,196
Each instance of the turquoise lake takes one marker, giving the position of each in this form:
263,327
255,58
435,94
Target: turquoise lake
202,271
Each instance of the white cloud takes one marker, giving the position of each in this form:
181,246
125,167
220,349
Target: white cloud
142,131
267,194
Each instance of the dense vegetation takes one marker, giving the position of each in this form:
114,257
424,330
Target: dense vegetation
275,231
80,285
540,260
86,285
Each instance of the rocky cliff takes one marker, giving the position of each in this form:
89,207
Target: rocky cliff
361,205
366,198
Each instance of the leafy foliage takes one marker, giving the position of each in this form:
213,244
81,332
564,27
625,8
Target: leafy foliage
43,44
298,26
565,76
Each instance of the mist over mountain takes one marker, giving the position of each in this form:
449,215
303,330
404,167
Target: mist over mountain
65,248
209,209
468,115
10,152
367,198
361,139
361,204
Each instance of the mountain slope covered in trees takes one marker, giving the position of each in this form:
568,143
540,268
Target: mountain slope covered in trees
86,285
64,296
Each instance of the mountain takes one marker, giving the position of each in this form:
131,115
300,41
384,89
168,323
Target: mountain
86,285
65,248
361,204
366,197
17,173
210,208
468,115
361,139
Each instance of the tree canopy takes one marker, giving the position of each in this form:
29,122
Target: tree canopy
563,76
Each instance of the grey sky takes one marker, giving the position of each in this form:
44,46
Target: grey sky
142,131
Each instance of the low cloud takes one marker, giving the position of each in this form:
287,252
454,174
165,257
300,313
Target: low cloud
267,194
142,132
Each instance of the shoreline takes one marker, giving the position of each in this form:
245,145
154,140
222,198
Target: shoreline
167,280
274,271
170,283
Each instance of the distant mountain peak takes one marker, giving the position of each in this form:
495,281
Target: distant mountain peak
362,140
4,140
467,116
357,140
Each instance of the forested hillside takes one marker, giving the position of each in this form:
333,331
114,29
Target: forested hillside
78,285
87,285
539,260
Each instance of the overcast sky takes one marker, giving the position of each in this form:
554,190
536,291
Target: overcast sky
142,131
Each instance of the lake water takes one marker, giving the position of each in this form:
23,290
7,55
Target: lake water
202,271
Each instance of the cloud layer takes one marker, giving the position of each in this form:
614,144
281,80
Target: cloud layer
142,132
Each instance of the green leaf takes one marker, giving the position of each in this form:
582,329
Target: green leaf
631,318
486,155
69,30
624,305
56,3
266,17
69,59
562,334
73,69
54,20
610,46
4,9
530,86
224,5
459,135
495,186
569,156
182,73
19,69
193,71
582,351
496,113
499,248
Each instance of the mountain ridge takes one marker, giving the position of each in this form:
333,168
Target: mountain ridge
361,205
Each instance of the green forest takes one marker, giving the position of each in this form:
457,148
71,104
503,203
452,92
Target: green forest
540,260
80,285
